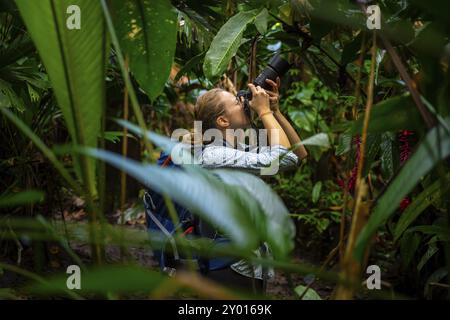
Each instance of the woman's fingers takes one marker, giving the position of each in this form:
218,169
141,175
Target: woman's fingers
261,91
252,88
273,84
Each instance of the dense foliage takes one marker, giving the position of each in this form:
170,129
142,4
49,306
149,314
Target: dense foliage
370,105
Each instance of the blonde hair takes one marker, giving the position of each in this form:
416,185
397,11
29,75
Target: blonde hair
208,107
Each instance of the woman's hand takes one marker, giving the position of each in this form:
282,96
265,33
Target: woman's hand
274,95
260,99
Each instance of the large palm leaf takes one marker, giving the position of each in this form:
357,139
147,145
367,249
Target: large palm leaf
75,62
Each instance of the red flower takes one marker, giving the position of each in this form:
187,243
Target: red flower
404,204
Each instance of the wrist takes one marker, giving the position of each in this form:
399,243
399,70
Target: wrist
263,110
262,114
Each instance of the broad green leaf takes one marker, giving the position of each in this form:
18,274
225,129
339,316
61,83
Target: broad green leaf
316,191
75,62
423,200
147,32
319,140
398,113
229,209
434,148
21,198
226,43
261,21
278,228
311,294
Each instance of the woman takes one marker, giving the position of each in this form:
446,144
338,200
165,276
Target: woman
220,110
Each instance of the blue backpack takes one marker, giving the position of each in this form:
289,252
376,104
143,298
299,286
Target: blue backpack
158,220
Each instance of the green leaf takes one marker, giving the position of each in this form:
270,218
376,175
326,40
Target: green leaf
9,98
432,249
114,136
115,279
226,43
322,19
318,140
387,152
437,230
420,203
398,113
408,247
316,191
46,151
345,143
311,294
320,28
192,63
75,62
261,21
278,229
372,149
147,32
351,49
436,276
228,208
434,148
21,198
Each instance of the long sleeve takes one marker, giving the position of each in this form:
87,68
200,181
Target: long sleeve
225,157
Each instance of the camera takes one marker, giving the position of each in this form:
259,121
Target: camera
277,67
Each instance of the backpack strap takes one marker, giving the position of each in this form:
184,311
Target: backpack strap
158,223
167,161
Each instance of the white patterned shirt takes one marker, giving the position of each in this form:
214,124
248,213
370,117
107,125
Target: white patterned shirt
216,156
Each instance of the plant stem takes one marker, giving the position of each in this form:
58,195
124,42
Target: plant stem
351,268
126,76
